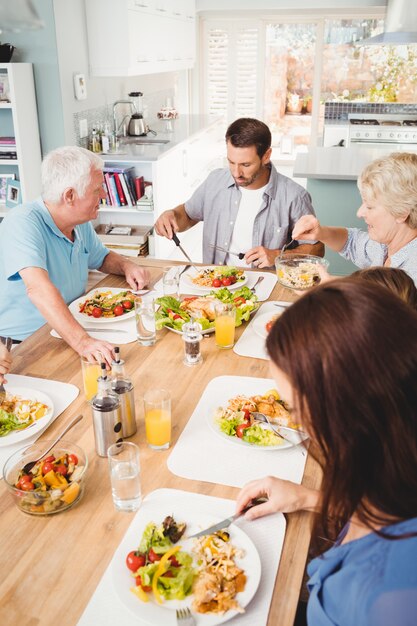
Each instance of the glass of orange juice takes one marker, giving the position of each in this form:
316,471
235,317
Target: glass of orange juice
158,418
224,324
91,372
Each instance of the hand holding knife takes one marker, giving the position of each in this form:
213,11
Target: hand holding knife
178,244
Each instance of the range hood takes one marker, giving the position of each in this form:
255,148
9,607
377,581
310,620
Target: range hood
400,25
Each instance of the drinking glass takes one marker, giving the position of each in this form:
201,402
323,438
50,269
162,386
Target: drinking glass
171,282
145,321
91,372
157,403
224,325
124,467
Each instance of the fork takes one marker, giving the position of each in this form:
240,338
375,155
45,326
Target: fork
286,245
260,279
299,434
184,617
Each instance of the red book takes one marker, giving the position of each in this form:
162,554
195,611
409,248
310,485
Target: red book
120,191
139,187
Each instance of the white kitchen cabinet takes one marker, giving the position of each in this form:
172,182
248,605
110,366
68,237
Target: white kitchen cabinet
175,176
19,119
136,37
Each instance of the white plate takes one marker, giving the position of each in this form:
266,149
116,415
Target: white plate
192,273
87,319
27,393
236,440
260,322
164,614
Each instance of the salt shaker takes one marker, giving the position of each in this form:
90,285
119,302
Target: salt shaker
123,386
106,415
191,334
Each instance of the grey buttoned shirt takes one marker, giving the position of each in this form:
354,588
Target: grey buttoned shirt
216,202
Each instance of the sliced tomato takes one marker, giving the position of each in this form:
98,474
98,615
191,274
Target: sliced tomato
239,300
153,556
174,561
246,415
189,298
240,430
176,317
73,458
138,581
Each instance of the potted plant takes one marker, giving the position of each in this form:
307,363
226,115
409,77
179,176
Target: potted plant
294,103
307,104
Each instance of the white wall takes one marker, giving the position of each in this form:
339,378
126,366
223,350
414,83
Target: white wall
260,5
72,48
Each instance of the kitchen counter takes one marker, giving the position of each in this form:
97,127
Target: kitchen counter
338,163
184,127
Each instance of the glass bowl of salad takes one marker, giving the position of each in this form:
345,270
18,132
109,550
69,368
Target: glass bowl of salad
54,484
299,271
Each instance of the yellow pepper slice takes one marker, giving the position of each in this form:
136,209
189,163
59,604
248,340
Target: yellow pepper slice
138,591
161,569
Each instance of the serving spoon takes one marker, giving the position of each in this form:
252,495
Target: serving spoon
26,468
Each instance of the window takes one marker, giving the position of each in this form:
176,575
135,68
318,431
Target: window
283,70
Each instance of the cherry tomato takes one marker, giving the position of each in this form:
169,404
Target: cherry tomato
174,561
233,279
61,469
135,560
138,581
269,325
49,459
96,312
23,479
118,310
226,281
127,304
240,430
27,485
73,458
216,283
153,556
47,467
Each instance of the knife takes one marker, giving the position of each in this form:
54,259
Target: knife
8,343
178,244
239,255
229,520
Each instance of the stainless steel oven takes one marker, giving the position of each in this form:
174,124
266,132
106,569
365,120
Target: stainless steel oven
399,131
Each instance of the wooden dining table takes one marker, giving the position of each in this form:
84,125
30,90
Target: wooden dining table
51,565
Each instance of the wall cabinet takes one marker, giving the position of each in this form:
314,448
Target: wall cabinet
175,176
19,120
136,37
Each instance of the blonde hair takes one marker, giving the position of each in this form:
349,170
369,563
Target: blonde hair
393,181
394,279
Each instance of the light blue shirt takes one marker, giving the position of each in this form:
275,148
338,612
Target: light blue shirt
370,581
29,237
365,252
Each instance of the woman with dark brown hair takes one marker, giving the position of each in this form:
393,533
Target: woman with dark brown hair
344,357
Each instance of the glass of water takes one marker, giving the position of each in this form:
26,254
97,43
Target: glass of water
145,321
124,467
171,281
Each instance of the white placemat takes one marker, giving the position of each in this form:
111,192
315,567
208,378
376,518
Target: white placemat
250,343
201,454
267,534
61,394
263,290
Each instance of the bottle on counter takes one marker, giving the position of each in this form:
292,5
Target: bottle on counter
105,138
123,387
94,144
107,422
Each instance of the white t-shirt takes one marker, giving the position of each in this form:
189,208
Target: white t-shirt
251,203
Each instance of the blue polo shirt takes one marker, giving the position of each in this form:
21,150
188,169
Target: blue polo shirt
29,237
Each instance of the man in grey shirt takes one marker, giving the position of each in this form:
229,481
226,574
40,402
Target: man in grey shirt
249,209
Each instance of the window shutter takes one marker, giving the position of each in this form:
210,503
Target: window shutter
231,72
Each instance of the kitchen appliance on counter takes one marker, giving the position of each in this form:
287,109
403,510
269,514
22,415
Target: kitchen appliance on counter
137,126
385,130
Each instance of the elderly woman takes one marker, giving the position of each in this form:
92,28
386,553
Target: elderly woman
348,371
388,188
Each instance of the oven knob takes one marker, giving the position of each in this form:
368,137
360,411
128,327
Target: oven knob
358,134
406,136
379,135
366,134
391,134
398,135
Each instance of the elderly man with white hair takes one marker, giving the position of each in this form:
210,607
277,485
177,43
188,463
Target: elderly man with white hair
47,247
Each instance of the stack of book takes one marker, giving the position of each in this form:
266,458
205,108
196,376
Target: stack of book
8,148
128,240
120,186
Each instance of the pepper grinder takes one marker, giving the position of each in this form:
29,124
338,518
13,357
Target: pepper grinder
123,387
191,334
107,422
